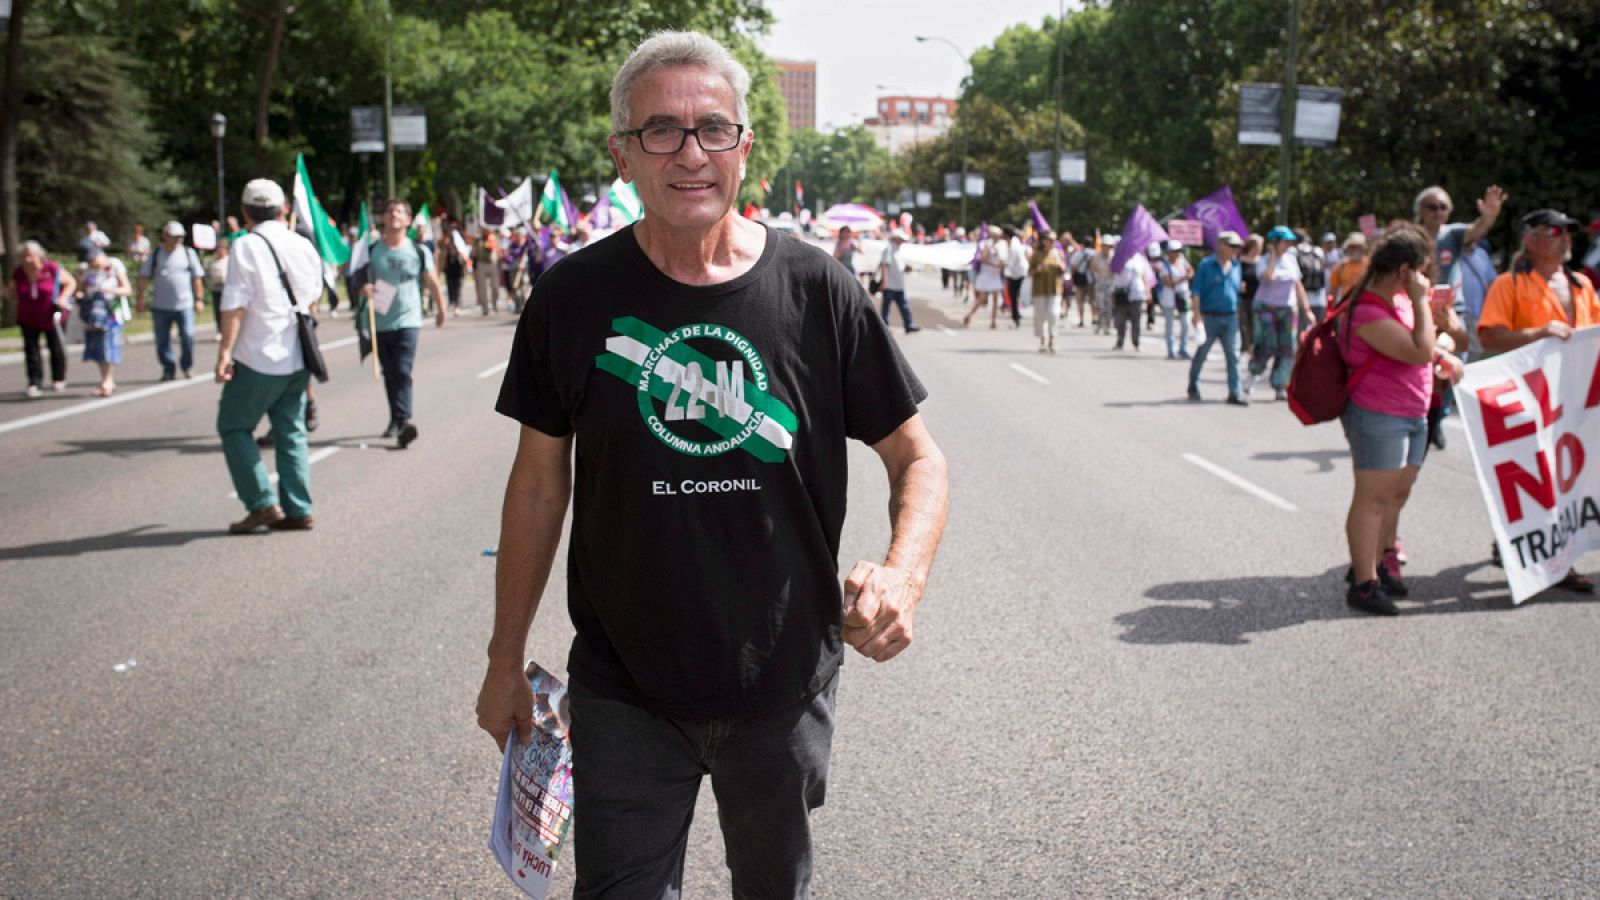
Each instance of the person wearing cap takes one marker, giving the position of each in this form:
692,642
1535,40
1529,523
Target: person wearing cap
1217,283
259,363
179,294
1173,274
892,273
1541,298
708,376
1352,265
1332,255
1281,293
1152,255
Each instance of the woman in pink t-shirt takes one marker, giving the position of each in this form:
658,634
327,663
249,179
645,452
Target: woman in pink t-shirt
1392,360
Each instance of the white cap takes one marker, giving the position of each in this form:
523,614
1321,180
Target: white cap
263,192
1173,244
173,229
1111,240
1153,250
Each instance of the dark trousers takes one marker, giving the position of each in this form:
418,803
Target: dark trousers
1127,314
30,353
1014,297
636,776
397,350
452,284
898,298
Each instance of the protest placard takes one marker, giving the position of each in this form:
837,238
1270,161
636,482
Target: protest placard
1189,231
535,801
1530,415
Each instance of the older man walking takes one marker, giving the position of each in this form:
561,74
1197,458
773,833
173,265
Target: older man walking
179,293
273,272
706,373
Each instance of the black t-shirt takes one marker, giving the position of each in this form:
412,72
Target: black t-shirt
702,569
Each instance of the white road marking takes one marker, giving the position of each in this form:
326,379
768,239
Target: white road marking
312,460
1024,370
107,402
495,369
948,330
1241,483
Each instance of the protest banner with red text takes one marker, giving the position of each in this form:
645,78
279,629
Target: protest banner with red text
1532,419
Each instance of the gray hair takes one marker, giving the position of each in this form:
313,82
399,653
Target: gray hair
1430,191
670,49
36,248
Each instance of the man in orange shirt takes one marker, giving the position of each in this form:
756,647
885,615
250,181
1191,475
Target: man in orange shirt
1541,297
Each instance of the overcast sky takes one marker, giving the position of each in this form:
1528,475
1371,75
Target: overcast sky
859,44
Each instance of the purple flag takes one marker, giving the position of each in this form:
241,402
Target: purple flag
1217,213
1039,224
1141,231
572,210
600,213
977,253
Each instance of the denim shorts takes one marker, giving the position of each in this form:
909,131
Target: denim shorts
1381,441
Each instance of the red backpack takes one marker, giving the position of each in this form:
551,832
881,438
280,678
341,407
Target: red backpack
1321,381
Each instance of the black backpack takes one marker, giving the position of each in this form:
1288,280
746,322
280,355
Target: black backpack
1312,277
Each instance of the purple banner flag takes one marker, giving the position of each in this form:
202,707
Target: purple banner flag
1217,213
1039,224
572,211
600,214
1141,231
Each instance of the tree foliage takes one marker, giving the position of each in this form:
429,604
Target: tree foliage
85,148
510,87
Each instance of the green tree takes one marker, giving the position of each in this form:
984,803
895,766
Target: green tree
85,148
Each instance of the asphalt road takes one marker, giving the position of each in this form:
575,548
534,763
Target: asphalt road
1132,676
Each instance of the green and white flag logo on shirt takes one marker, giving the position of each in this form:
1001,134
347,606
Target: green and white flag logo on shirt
699,394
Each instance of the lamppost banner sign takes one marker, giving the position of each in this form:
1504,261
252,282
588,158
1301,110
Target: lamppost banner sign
952,185
366,129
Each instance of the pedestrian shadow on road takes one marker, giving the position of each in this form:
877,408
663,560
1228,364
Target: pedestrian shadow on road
1136,404
141,538
1322,459
127,447
1229,611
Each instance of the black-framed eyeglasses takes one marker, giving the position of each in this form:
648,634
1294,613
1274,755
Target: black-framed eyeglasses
665,140
1436,207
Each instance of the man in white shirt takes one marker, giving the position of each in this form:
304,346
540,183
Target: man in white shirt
892,273
1016,272
259,364
1130,291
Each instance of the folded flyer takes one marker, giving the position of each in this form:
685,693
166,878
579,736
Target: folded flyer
535,802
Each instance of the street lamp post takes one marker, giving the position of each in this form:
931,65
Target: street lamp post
961,124
219,127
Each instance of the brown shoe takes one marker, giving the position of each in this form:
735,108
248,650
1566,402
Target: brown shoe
293,523
265,517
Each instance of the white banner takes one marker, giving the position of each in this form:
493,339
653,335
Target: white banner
1530,416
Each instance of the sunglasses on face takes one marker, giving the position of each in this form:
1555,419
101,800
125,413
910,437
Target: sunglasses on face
1436,207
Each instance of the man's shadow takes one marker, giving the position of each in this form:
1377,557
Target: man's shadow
140,538
1229,610
126,447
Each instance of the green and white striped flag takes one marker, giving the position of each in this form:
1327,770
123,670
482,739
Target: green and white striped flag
358,249
550,205
421,225
313,218
625,203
